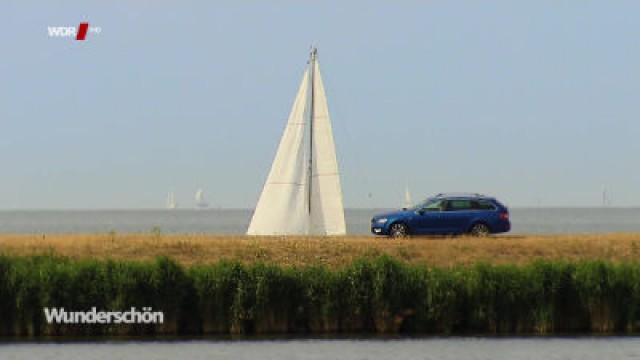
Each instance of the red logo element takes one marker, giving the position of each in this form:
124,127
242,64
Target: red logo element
82,31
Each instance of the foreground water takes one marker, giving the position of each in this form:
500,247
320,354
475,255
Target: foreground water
398,349
221,221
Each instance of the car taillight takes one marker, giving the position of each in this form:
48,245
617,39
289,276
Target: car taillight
504,216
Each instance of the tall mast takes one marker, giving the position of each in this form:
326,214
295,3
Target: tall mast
312,65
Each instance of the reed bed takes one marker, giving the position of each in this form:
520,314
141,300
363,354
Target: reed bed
189,249
372,295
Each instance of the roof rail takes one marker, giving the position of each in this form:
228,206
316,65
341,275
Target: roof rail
460,194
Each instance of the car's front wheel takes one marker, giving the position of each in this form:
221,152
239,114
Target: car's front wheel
398,230
480,230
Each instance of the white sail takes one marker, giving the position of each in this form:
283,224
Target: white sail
201,202
302,194
327,211
281,207
171,201
407,198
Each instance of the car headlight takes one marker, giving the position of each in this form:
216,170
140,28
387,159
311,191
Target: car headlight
382,221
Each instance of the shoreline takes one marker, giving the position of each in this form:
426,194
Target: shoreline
215,338
198,249
322,287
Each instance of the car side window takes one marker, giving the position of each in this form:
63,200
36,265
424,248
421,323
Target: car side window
459,205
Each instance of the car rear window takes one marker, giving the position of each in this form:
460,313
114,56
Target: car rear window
483,205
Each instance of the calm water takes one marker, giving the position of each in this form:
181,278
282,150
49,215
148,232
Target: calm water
446,348
524,220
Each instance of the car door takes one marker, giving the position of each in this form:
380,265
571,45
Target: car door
458,215
429,219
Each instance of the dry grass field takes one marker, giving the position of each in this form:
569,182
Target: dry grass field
333,251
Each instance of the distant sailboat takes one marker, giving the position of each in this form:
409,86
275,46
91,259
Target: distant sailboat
200,200
171,201
408,203
606,198
302,194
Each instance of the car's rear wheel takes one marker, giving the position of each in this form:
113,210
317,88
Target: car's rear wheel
480,230
398,230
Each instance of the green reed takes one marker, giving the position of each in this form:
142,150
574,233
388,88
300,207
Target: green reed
379,295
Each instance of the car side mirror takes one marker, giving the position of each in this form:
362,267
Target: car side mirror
420,211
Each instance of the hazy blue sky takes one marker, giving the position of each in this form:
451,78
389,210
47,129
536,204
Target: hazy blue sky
536,102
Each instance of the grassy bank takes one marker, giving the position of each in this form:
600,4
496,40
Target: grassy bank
338,251
377,295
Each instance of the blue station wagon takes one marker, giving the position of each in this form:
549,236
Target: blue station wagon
473,214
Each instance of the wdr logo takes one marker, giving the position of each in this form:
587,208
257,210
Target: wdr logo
80,33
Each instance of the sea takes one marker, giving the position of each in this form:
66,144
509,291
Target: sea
462,348
235,221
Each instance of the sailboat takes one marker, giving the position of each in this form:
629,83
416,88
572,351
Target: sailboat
606,198
171,201
407,198
302,194
200,200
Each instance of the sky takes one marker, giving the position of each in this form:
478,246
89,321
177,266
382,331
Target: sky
535,102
